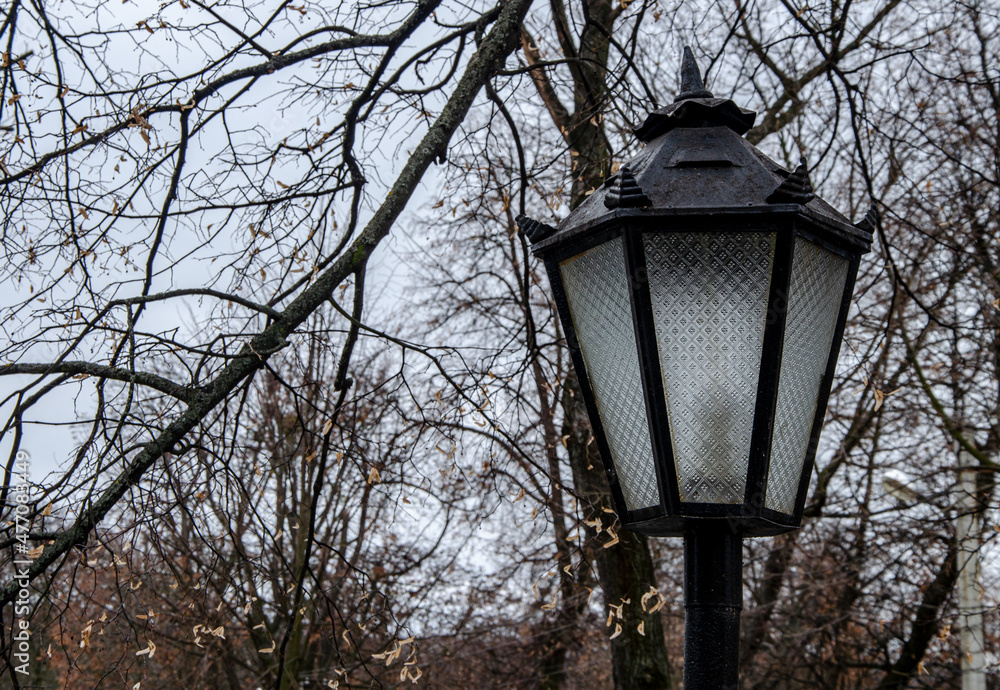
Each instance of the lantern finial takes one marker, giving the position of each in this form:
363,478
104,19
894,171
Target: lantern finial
625,192
870,222
534,230
695,106
692,85
796,189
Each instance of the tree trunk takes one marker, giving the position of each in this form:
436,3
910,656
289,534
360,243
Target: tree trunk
625,570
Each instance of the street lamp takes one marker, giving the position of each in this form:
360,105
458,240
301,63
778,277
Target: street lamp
703,291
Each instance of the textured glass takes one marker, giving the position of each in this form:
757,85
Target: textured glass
709,293
596,288
815,291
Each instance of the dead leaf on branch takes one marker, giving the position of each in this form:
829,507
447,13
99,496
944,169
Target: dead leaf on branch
150,649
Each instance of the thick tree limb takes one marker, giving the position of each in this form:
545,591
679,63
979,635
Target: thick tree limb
560,116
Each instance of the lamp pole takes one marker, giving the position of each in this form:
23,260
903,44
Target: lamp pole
970,595
713,600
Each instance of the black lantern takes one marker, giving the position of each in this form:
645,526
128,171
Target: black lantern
703,291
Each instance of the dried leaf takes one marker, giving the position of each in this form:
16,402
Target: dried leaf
85,635
647,596
150,649
618,631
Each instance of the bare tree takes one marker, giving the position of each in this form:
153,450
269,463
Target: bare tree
196,176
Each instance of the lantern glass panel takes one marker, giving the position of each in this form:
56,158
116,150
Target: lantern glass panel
596,287
709,292
816,290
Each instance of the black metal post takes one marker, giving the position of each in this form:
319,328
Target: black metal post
713,599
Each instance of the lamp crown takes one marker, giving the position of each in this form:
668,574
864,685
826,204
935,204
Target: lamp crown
692,85
695,106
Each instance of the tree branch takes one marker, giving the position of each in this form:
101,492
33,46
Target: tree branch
82,369
493,52
925,624
540,78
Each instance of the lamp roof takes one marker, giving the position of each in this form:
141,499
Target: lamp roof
697,161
